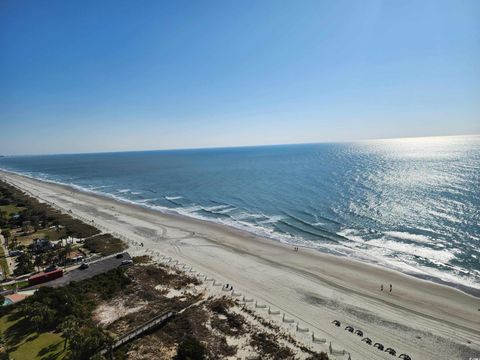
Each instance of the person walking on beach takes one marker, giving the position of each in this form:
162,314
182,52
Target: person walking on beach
381,287
390,287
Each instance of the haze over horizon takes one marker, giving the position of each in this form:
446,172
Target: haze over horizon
124,76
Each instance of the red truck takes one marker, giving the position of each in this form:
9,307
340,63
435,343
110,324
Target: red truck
44,277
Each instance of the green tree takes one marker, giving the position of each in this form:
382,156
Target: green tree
6,233
38,261
69,329
36,319
68,249
24,264
3,218
50,257
25,309
87,341
42,315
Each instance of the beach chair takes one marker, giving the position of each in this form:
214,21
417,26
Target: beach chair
367,340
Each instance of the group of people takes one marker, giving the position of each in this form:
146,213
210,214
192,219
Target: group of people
228,287
295,248
381,287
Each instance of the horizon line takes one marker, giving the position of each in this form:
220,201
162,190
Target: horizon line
238,146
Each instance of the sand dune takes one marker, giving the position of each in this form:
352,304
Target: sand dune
419,318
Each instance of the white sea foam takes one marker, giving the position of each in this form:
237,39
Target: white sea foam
122,191
245,215
272,219
226,210
216,208
173,197
352,235
408,236
143,201
441,256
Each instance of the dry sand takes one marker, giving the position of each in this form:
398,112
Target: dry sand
422,319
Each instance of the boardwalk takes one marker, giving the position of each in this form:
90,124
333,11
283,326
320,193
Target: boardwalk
149,325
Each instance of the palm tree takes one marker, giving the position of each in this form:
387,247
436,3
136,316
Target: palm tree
69,329
38,261
37,321
68,250
42,315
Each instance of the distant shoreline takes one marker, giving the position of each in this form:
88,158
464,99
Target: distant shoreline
169,212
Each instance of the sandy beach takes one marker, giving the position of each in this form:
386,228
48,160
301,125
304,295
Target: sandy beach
419,318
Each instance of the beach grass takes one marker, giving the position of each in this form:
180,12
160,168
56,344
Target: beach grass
24,343
105,244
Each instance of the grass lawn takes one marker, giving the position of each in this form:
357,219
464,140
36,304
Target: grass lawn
3,262
19,285
11,209
51,234
23,342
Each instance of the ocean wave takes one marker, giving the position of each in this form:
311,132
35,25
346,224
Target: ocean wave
352,235
440,256
143,201
216,208
272,219
302,228
173,197
408,236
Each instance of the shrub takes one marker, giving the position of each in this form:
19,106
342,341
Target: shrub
105,244
190,349
321,356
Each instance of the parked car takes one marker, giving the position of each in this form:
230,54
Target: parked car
50,268
84,266
15,252
119,256
127,262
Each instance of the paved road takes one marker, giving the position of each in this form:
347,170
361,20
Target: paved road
95,268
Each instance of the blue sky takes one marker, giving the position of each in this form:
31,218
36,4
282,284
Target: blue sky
86,76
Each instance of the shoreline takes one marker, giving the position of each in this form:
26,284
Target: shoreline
310,286
469,290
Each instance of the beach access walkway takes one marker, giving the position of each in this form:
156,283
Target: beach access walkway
149,325
157,321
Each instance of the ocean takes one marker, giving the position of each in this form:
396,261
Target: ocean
408,204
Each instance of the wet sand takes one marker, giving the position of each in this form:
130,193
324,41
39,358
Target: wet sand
420,318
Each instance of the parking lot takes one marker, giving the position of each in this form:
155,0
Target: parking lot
94,268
